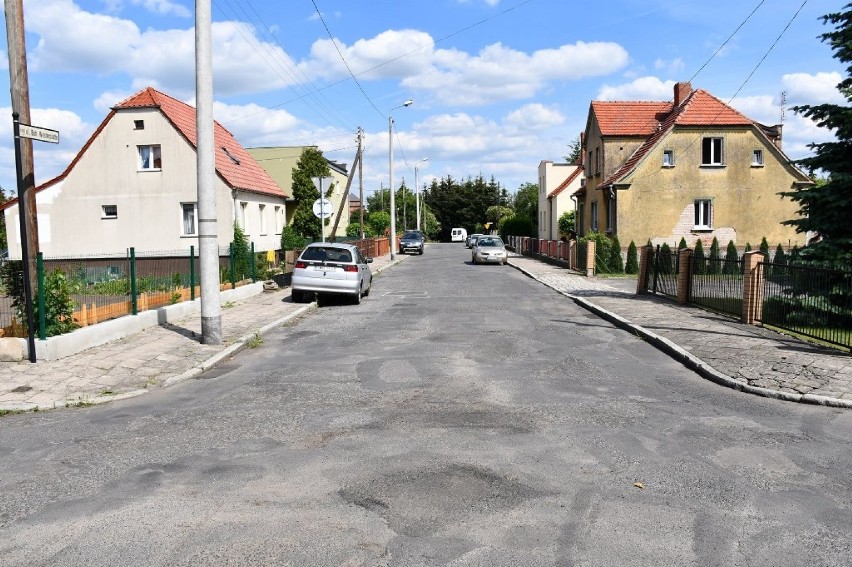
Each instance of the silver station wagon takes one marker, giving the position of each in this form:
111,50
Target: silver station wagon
331,269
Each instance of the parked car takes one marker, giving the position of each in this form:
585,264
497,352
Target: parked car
331,269
489,249
458,235
412,241
471,240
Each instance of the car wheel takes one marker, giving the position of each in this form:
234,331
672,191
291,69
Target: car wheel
296,296
421,251
367,291
356,299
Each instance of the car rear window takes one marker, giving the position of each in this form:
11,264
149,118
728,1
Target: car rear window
319,254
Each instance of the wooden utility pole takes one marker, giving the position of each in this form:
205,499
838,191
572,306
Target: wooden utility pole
20,91
360,186
344,200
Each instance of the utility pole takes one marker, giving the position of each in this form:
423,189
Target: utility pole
360,184
208,238
19,87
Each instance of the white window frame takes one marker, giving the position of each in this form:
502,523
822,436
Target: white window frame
715,147
109,211
262,210
757,158
668,158
184,207
279,225
147,162
242,216
703,214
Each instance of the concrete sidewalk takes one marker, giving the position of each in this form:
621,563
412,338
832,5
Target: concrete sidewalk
748,358
157,357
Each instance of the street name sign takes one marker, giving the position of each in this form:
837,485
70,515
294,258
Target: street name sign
37,133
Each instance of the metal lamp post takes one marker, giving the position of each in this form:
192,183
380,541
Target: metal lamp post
392,242
417,190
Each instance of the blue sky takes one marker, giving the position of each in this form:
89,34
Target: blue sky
498,85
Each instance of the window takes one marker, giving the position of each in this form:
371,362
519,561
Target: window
594,216
711,151
668,158
109,211
242,219
597,161
757,158
188,214
610,215
703,210
279,220
262,210
149,158
138,124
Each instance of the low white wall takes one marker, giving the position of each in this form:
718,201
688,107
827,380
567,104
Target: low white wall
54,348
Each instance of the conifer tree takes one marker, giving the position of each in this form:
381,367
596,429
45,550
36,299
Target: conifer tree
311,164
713,266
616,264
824,207
730,258
632,266
682,244
699,258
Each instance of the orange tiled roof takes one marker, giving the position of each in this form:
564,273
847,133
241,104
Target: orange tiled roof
700,108
241,172
631,118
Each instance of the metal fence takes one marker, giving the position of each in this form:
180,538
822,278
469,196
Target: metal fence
811,301
717,284
104,287
665,266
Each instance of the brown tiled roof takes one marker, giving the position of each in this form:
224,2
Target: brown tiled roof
632,118
578,170
241,172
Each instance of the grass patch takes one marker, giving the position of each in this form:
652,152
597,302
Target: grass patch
255,341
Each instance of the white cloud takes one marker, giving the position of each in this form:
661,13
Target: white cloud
643,88
501,73
164,7
376,58
804,88
673,67
534,117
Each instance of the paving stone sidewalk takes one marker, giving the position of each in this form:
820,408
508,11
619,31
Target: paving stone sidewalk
748,358
159,356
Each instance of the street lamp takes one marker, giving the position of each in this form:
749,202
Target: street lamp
392,242
417,190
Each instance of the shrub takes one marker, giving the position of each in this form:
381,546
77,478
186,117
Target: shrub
731,258
58,305
354,230
616,264
602,251
291,240
713,266
240,254
682,244
632,266
664,262
699,258
780,261
516,225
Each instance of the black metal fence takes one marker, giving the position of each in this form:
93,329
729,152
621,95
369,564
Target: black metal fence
811,301
663,279
717,284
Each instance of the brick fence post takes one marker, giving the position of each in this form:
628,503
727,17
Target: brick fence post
684,273
752,287
590,259
645,255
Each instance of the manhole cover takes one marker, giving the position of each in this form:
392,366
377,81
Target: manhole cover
20,389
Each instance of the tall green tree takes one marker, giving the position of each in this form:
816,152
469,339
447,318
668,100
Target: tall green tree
4,243
525,203
575,149
311,164
824,207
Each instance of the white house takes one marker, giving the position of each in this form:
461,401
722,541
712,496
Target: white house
133,184
557,182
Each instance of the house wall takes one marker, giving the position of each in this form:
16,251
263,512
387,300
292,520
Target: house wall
149,211
550,176
659,203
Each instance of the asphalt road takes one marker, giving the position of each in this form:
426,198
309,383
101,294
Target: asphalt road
461,415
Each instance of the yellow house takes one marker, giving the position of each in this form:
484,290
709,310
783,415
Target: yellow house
280,161
693,168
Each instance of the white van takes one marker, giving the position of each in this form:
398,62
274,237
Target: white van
458,235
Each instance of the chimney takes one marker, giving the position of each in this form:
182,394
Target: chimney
681,91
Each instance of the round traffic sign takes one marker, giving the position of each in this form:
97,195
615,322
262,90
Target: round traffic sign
322,208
